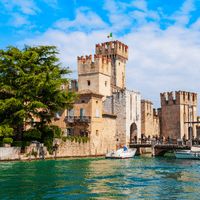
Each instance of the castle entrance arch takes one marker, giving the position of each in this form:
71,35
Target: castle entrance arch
190,128
133,132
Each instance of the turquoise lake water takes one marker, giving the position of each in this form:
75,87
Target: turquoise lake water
99,178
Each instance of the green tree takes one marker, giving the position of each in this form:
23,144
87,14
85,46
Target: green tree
6,130
30,86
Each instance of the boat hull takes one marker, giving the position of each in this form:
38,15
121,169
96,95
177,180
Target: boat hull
121,154
187,155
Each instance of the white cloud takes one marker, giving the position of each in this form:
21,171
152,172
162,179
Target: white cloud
182,16
25,6
159,60
140,4
18,20
85,20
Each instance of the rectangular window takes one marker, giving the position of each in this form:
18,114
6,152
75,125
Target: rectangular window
66,132
70,112
76,84
32,120
70,131
88,82
70,84
58,114
105,83
97,112
82,112
63,86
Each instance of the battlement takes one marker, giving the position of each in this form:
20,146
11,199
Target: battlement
181,97
101,64
112,48
146,101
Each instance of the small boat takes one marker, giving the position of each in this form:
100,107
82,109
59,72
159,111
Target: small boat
123,153
194,153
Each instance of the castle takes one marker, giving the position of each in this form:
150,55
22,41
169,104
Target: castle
111,115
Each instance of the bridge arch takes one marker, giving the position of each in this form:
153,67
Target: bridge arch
133,132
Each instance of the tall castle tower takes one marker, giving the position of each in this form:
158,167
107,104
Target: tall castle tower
175,112
107,73
118,53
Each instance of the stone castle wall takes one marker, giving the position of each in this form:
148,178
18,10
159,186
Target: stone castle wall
174,112
147,121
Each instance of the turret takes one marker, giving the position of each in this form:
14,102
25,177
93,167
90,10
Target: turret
182,97
113,48
101,64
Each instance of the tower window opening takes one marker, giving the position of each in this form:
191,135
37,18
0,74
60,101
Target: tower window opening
105,83
88,82
119,63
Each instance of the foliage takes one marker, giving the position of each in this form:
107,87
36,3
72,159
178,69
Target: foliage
27,155
47,137
34,153
7,140
30,86
1,143
6,130
64,139
50,152
21,144
57,131
32,133
77,139
72,139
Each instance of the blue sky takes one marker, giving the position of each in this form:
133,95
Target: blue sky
163,37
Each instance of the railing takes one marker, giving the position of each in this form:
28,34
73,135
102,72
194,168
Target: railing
73,119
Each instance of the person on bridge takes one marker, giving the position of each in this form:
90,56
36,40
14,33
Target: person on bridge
168,139
135,137
184,139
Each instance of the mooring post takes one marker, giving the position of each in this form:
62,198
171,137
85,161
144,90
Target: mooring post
153,151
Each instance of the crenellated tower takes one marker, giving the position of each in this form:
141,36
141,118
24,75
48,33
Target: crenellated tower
94,75
118,53
175,112
106,74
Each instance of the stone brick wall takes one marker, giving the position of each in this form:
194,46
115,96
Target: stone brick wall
128,112
156,125
133,116
9,153
147,121
174,112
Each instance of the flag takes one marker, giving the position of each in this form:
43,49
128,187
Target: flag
109,35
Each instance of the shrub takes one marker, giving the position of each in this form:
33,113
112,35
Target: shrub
68,137
7,140
72,139
76,139
57,131
83,140
21,144
64,139
50,152
79,140
27,154
1,143
34,153
32,134
48,142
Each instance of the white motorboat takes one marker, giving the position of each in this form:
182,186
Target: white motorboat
194,153
123,153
